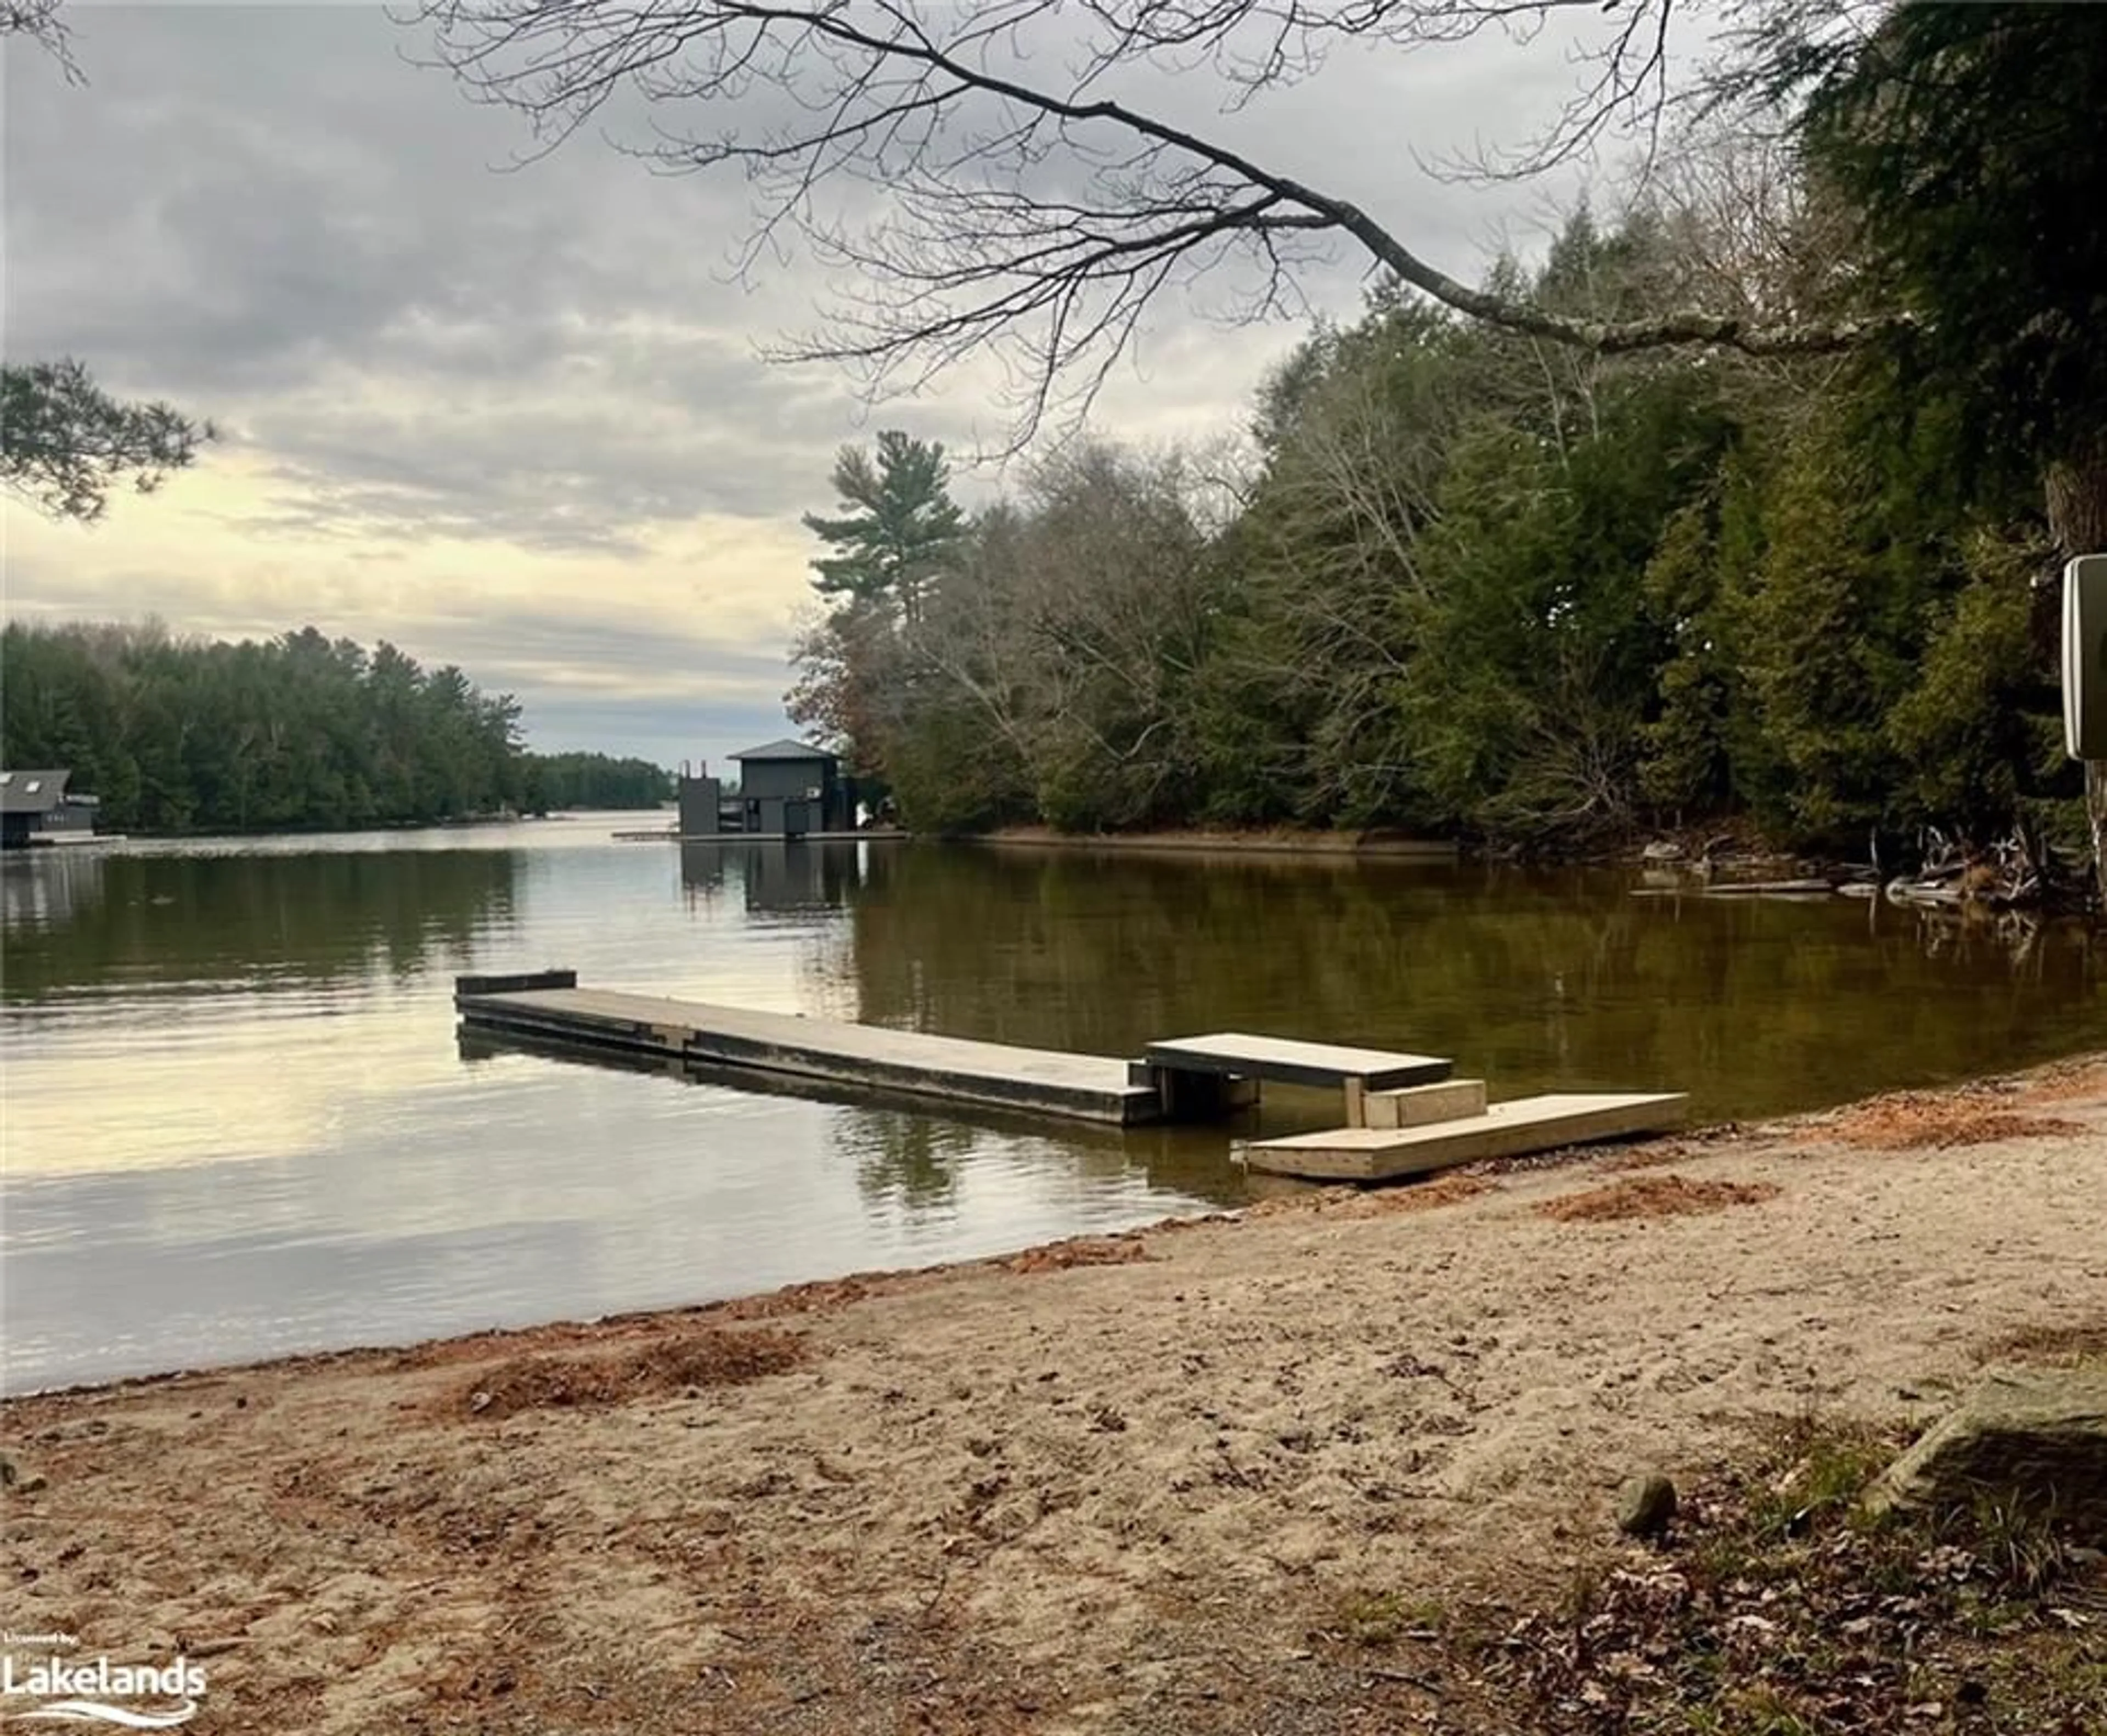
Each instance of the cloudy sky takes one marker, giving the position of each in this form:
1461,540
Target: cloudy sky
514,419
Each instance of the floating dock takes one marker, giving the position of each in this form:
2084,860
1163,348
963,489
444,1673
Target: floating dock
1186,1078
1404,1115
549,1004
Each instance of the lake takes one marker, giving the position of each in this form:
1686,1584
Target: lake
239,1121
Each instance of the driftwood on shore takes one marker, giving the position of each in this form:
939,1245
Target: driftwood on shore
2019,872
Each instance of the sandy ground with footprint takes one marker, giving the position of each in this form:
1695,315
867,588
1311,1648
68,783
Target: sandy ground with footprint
1124,1485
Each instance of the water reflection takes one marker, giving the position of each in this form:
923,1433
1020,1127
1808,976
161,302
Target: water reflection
1538,980
47,888
76,920
789,877
237,1121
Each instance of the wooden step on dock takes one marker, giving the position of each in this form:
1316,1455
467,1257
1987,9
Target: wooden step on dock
1388,1150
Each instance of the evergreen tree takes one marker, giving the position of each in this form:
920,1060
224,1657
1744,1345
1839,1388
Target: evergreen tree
64,441
898,529
1968,139
296,732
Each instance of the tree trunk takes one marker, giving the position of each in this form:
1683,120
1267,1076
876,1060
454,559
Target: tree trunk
2096,810
2077,502
2077,490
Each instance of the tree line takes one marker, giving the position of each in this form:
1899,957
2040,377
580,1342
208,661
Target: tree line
1736,506
1867,332
1469,584
1464,578
180,734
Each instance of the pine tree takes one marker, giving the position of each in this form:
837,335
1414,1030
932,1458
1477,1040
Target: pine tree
899,528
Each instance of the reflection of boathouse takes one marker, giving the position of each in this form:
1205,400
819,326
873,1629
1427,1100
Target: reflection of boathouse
787,789
790,877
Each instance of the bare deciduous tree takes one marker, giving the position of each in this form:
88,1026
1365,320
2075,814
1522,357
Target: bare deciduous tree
38,20
1027,207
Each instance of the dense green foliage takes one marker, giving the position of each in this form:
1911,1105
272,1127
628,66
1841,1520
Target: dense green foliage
192,735
1480,586
592,780
1967,141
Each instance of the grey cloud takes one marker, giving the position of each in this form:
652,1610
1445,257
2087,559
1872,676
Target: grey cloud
267,215
246,211
603,445
666,693
653,662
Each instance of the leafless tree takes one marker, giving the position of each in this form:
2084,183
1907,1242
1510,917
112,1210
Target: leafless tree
1026,207
1075,629
38,20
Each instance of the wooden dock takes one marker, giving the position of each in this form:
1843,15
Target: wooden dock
1404,1115
549,1004
1188,1079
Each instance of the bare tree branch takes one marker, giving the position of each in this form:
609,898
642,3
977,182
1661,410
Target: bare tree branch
1027,209
40,22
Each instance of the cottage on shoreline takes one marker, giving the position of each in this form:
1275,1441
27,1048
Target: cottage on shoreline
35,808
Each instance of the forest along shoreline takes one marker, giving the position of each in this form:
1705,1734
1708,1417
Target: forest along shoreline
1325,1462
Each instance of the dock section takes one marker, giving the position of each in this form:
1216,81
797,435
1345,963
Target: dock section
1225,1069
1390,1152
1405,1116
550,1005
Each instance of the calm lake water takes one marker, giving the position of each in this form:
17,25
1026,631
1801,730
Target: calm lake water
239,1120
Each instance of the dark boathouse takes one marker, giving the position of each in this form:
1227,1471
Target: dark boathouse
35,809
786,790
793,788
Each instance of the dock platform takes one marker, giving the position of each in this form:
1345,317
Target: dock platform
1510,1130
1224,1070
1288,1061
550,1005
1405,1116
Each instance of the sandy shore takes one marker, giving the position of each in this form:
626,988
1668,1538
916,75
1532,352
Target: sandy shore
1126,1485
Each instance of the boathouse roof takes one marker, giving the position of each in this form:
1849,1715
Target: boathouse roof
786,749
32,792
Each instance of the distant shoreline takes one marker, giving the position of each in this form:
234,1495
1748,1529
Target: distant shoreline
147,835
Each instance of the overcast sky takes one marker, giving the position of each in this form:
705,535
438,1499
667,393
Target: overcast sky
515,420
